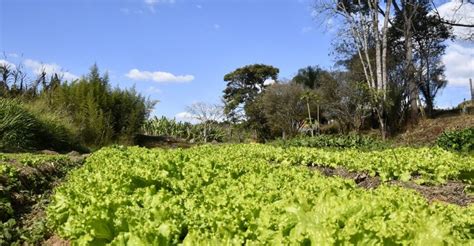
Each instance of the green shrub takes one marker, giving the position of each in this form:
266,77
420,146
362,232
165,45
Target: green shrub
101,114
185,130
460,140
18,127
334,141
22,129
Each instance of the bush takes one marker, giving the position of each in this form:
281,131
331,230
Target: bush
24,130
185,130
102,115
460,140
334,141
18,127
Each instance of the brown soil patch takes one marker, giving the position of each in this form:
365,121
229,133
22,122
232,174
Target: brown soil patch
428,130
56,241
161,142
451,192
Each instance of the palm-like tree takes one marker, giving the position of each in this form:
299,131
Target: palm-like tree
308,96
310,77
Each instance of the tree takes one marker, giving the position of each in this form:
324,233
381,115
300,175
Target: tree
244,84
421,42
430,47
207,115
368,33
345,99
101,114
309,96
311,77
284,108
457,14
13,79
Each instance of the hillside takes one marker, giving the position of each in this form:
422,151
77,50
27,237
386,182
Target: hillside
428,130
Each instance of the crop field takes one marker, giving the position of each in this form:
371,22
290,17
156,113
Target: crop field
261,194
26,182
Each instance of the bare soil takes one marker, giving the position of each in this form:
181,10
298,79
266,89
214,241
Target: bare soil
161,142
428,130
31,195
56,241
452,192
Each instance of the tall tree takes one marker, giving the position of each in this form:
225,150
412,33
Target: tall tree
429,39
369,32
284,108
311,77
420,39
244,84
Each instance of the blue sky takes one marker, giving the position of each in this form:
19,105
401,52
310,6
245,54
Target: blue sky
176,51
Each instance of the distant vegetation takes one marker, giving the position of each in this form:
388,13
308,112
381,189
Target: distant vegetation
183,130
48,113
334,141
23,129
460,140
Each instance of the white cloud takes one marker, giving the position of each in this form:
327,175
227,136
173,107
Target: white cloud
269,82
153,2
459,12
7,63
49,68
158,76
199,6
217,26
186,116
459,62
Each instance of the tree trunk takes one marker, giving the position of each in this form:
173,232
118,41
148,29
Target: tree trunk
384,48
317,108
409,67
310,121
378,47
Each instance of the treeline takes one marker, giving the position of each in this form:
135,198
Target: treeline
86,112
387,75
314,101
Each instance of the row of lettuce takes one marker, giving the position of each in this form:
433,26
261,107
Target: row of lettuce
461,140
26,181
257,194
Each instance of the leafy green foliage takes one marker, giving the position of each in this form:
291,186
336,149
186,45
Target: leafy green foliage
334,141
428,165
185,130
231,195
245,83
102,115
25,182
22,129
284,108
312,77
461,140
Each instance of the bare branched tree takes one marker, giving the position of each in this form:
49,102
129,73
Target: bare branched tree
368,32
206,114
